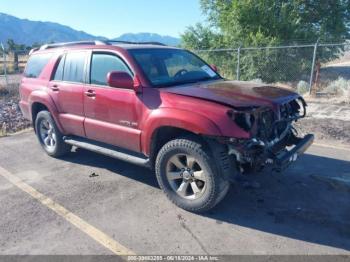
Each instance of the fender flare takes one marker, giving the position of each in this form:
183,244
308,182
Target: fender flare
42,97
183,119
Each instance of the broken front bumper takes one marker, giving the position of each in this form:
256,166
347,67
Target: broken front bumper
253,155
286,157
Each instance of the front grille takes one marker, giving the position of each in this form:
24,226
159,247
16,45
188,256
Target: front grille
270,126
266,124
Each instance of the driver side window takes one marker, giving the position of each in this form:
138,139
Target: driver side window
102,64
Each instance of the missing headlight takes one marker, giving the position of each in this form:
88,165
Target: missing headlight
244,120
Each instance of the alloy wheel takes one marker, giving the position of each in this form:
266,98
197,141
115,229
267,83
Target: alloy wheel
186,176
47,135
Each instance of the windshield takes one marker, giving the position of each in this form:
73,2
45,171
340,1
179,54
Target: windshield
167,67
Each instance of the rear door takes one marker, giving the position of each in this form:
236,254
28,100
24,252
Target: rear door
111,114
67,87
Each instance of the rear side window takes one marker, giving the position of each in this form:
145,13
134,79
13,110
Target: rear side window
74,67
102,64
36,64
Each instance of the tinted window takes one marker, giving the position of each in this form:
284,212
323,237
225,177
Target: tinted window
102,64
59,70
74,67
36,64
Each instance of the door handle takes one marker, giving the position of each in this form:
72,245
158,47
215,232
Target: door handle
90,93
55,88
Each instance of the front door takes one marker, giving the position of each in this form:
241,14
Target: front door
66,89
111,114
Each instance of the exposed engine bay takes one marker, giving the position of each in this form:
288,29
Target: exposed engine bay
274,139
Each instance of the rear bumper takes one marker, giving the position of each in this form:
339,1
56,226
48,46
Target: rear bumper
286,157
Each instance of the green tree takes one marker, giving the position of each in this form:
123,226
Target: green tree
271,22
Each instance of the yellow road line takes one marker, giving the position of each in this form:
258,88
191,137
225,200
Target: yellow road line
332,146
88,229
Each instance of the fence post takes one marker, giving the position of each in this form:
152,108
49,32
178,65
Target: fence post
238,62
313,65
4,63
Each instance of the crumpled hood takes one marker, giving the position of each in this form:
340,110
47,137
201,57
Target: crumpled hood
236,93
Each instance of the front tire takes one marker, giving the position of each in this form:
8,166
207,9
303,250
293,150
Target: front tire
49,136
189,175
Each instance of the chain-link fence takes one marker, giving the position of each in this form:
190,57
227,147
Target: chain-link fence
325,67
307,68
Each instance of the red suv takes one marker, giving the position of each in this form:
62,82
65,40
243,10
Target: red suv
161,107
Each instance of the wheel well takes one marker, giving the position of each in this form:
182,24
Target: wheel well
36,108
167,133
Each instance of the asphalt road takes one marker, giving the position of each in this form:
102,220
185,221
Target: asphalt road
297,212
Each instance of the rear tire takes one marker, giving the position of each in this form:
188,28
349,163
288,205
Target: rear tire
189,175
49,136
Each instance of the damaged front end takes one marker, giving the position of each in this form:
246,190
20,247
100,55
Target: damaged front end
274,141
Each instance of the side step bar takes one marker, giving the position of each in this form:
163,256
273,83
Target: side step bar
108,150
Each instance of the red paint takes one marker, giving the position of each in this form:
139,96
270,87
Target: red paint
109,116
129,111
68,99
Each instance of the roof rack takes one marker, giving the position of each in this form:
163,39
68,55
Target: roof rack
56,45
95,42
111,42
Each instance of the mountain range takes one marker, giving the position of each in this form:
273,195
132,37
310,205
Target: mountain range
24,31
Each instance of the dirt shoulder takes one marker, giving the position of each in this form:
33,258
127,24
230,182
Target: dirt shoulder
328,120
328,131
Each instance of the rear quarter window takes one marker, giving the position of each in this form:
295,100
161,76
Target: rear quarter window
36,64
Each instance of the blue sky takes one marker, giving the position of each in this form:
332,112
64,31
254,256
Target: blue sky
111,18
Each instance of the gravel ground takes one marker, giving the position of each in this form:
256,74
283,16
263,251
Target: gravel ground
11,118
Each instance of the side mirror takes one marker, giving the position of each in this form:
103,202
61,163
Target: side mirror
120,79
215,68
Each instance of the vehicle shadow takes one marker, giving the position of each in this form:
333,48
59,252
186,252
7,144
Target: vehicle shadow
297,204
302,203
88,158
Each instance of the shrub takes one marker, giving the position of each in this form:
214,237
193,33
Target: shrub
340,86
303,87
257,80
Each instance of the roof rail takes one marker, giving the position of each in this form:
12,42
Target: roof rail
111,42
95,42
56,45
33,50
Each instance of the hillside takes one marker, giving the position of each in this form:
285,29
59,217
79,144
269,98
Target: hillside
149,37
24,31
27,32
